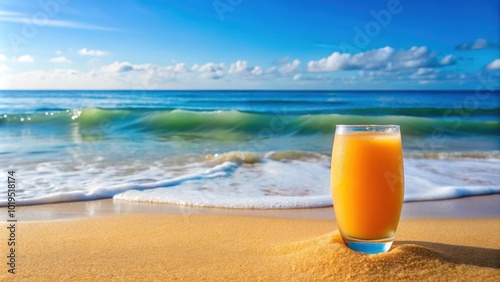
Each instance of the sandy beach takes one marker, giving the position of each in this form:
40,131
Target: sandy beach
250,141
222,245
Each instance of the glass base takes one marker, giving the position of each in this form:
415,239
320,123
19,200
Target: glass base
370,247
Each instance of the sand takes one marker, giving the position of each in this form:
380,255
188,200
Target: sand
149,247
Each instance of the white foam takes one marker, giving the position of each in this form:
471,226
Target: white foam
191,198
264,184
108,192
268,185
432,179
425,180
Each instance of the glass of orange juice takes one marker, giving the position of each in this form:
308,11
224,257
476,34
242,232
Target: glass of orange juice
367,184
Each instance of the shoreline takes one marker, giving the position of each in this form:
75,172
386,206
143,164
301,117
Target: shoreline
467,207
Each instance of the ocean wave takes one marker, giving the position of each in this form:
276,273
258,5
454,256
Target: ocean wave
247,149
277,123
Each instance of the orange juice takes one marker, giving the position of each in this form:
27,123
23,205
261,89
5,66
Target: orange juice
367,183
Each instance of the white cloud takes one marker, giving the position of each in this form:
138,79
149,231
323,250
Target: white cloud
4,68
386,59
2,57
179,72
447,60
55,79
238,67
290,67
478,44
169,73
26,59
425,74
148,72
209,70
376,69
60,59
241,67
58,52
91,52
177,68
341,61
257,71
494,65
118,67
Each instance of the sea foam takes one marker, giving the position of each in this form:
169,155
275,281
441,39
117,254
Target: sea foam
271,180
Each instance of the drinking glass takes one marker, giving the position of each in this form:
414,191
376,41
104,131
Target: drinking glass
367,182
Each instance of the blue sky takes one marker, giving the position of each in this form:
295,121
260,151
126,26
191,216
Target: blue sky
243,44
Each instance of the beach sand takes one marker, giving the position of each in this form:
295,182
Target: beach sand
211,247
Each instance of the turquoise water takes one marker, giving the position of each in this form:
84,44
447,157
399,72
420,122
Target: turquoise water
247,149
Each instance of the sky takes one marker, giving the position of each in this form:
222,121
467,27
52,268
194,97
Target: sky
250,44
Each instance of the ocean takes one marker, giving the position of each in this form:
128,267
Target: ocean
236,149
